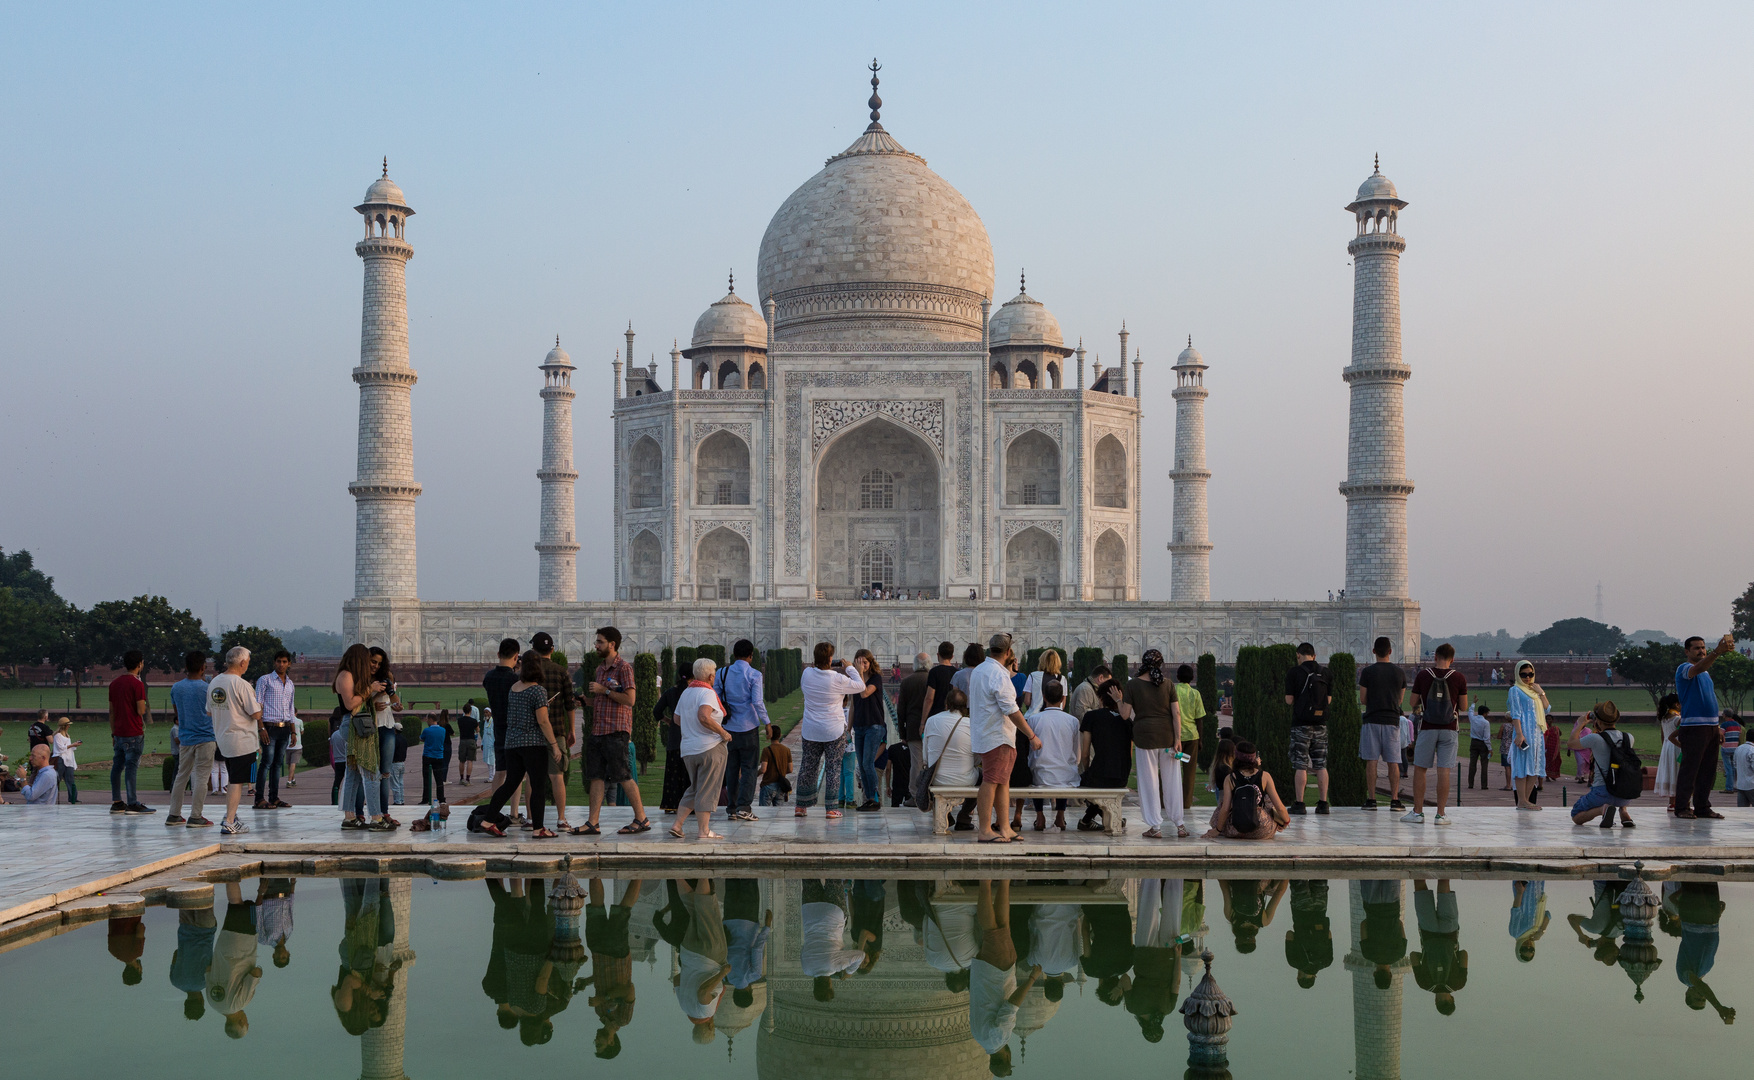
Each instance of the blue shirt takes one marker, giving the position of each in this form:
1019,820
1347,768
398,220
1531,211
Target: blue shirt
741,691
193,956
1698,698
194,726
433,737
42,788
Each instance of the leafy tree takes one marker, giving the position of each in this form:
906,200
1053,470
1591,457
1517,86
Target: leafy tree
1651,665
1733,678
147,623
1345,770
263,644
1742,615
18,572
1583,636
312,642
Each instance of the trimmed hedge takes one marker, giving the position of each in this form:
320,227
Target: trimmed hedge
666,662
1345,770
1084,661
685,657
1274,727
1206,682
715,653
1118,667
645,696
784,669
1032,660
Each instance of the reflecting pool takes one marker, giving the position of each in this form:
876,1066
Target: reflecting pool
921,978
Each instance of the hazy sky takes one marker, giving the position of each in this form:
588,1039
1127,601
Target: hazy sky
181,298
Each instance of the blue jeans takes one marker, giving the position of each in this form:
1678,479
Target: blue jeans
394,779
869,742
1729,759
386,751
124,765
273,762
770,795
1594,797
742,768
360,785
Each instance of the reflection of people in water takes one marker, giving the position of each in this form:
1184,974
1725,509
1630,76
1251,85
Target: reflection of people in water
1528,916
700,981
1383,934
528,968
233,974
274,917
127,942
361,994
1108,950
868,899
993,993
1441,965
1599,932
1697,904
950,938
1309,944
823,952
1053,946
1150,995
671,921
192,958
611,978
746,930
1243,907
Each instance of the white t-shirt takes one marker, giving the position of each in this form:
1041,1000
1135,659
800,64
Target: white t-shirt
952,938
1406,731
298,734
1744,760
231,703
820,953
825,717
231,981
991,701
63,750
697,738
1056,763
696,970
958,767
991,1016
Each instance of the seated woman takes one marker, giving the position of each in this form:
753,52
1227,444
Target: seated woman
1249,807
948,744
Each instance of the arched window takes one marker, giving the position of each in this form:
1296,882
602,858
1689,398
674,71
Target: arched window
1026,378
876,567
877,491
1111,567
644,558
757,377
703,377
1000,378
1111,472
730,376
721,471
1032,471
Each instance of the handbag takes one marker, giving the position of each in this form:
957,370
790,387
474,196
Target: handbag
923,786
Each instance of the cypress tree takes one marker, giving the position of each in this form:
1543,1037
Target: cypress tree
645,696
1273,728
1206,682
1345,770
686,655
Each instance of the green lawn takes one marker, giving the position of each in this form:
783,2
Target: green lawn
1570,699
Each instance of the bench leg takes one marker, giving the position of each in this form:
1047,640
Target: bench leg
1111,816
940,816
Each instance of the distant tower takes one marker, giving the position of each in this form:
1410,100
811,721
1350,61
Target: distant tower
384,493
1376,486
1190,561
557,574
380,1047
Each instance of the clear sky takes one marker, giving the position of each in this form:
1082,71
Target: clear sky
181,298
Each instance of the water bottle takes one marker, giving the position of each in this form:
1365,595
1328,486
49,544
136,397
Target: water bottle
433,820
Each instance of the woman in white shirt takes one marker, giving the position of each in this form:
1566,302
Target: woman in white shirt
824,727
1049,669
701,715
946,738
64,761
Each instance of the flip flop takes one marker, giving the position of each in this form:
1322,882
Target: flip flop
1711,814
710,836
587,829
993,840
640,826
677,833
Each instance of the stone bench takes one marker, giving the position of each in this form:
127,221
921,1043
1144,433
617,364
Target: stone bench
947,800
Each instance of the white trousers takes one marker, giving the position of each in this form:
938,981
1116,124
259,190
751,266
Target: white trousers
1160,787
1160,913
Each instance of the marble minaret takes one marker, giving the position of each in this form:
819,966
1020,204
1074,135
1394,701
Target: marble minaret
1190,561
557,573
384,493
1376,1013
1376,486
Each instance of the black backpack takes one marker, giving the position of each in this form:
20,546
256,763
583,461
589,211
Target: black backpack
1311,707
1440,708
1623,769
480,814
1245,802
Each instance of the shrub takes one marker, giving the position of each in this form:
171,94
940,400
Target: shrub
1246,704
645,696
685,658
170,773
1345,770
666,662
1206,682
316,738
1273,728
1118,666
715,653
1084,661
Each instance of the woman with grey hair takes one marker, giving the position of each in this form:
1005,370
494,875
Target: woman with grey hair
704,740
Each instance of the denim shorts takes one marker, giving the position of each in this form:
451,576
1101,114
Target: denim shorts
1435,749
1597,796
1380,742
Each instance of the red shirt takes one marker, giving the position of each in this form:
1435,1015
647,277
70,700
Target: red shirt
126,691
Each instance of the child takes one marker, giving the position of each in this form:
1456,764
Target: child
900,770
776,762
434,741
1669,763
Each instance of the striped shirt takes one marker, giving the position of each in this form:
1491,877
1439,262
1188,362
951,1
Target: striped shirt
276,698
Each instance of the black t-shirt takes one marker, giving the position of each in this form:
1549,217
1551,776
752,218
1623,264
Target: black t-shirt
1383,683
1111,745
401,753
466,727
1385,938
1111,941
1311,947
1295,680
498,684
868,710
41,734
908,699
938,682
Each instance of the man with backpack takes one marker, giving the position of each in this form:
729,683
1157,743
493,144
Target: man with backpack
1308,691
1440,693
1616,772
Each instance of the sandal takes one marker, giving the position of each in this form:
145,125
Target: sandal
543,833
491,829
992,840
1181,832
642,825
677,833
1711,814
1152,834
562,826
832,814
587,829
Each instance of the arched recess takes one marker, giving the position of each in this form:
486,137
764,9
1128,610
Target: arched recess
877,490
1032,471
1032,566
1111,472
730,376
703,375
721,566
1026,378
999,379
721,471
645,474
1053,381
1111,566
645,558
757,377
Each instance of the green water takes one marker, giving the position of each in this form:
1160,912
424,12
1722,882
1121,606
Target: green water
393,977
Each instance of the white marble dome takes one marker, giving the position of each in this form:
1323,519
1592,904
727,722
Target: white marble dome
1376,186
877,237
1024,320
557,357
1190,357
385,192
731,322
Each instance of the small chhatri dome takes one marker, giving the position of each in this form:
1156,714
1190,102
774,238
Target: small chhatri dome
557,356
731,322
384,191
1190,356
1023,320
1376,185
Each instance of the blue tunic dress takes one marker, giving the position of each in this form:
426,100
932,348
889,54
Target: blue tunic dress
1530,760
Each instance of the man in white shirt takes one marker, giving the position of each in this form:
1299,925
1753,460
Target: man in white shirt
822,953
951,940
993,993
1055,764
237,727
275,692
994,719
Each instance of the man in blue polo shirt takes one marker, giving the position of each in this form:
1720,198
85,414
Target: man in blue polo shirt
195,742
740,689
1698,732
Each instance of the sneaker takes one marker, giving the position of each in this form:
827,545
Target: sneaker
137,808
870,804
200,823
118,808
1413,817
1322,808
1369,804
233,827
1395,804
1440,820
260,805
176,819
292,783
1298,809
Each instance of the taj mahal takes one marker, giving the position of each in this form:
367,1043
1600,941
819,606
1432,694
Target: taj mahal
874,423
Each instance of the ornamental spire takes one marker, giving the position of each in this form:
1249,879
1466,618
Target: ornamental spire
386,166
876,103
